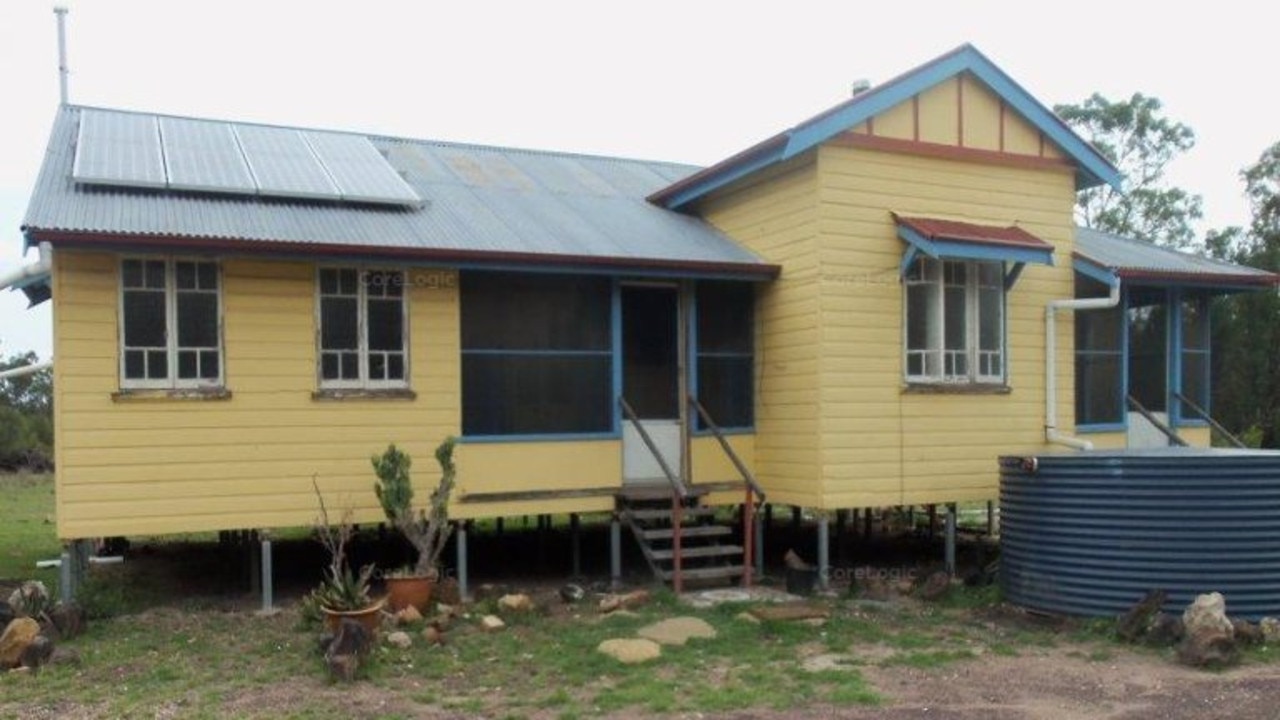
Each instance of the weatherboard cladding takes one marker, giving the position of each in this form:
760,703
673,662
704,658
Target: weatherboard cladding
478,201
1136,260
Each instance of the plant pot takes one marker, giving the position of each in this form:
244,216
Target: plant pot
415,590
370,617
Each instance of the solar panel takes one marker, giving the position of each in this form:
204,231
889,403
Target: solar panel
204,156
118,149
360,171
283,165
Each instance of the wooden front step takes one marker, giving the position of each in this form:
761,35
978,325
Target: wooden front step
695,531
648,492
707,551
665,514
708,573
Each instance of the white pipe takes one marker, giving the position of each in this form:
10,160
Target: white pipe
26,370
61,12
1051,433
39,267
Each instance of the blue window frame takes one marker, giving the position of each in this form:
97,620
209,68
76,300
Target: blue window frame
724,343
1192,368
537,355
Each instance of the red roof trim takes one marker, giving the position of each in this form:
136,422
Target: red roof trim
935,229
174,243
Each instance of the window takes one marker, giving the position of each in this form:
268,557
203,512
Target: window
362,328
1100,367
955,321
725,350
1195,354
170,334
537,354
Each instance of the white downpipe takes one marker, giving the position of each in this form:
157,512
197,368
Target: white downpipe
26,370
39,267
1052,435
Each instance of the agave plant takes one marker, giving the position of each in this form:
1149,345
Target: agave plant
341,589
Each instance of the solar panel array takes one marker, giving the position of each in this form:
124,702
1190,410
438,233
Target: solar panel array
126,150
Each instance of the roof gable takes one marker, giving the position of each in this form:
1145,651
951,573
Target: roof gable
1092,168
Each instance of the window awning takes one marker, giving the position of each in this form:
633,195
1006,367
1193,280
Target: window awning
952,240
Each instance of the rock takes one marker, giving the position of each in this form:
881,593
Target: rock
1209,647
1270,628
629,601
1246,633
790,612
433,635
936,586
485,591
1164,630
408,616
37,653
517,602
1135,622
347,649
677,630
400,639
630,650
1207,612
877,589
30,599
572,593
68,619
65,656
18,634
6,614
793,561
745,616
491,623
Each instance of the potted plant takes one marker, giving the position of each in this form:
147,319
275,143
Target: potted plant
427,530
343,593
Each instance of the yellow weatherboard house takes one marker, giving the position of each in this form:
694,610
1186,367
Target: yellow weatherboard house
862,311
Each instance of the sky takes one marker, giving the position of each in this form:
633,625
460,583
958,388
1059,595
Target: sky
689,81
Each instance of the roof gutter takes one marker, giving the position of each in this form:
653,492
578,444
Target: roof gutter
42,266
1052,435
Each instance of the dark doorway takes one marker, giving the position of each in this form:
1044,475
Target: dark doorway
650,367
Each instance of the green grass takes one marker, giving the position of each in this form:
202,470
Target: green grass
27,533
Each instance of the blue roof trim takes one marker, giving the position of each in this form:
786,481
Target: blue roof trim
1094,169
1106,276
973,251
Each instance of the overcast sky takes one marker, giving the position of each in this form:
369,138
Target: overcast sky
686,81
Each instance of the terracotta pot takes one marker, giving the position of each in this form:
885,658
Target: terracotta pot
370,617
415,590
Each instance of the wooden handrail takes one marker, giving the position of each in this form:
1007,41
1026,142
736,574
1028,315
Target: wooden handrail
1209,419
676,484
1155,422
747,477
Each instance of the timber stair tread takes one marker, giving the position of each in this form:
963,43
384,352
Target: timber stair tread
722,572
656,491
694,531
707,551
665,513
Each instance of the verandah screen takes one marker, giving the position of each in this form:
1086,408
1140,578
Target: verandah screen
536,354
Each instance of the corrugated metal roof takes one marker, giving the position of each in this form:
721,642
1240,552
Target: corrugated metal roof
1134,259
482,203
936,229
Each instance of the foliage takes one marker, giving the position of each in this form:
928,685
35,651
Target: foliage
1246,327
1140,141
428,530
341,589
26,418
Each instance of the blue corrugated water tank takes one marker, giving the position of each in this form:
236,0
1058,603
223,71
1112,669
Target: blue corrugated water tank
1090,533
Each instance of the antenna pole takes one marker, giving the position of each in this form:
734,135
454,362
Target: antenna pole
61,12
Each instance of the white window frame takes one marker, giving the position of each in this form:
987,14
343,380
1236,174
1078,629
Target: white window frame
172,381
932,272
362,331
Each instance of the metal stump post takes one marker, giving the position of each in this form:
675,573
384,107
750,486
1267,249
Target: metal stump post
463,595
824,552
759,531
951,539
615,553
268,589
575,540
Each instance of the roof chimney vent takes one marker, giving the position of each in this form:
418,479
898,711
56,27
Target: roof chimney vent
860,86
61,12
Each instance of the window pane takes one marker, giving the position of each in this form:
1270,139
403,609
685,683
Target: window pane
350,366
506,311
135,364
157,364
197,320
131,273
923,324
348,280
1148,355
504,395
207,276
185,274
386,324
209,364
338,325
188,364
1195,325
990,310
144,319
377,366
1098,389
1098,330
725,390
384,284
329,366
154,270
1195,384
328,281
957,331
724,316
395,366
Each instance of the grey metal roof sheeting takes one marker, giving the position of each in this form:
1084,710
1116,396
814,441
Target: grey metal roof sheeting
1135,258
478,200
